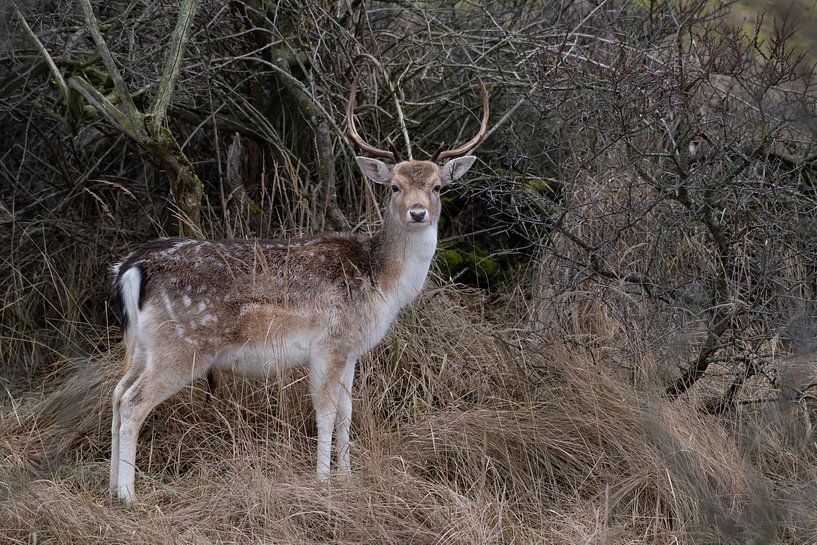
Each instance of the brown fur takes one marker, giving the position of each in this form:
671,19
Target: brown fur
419,174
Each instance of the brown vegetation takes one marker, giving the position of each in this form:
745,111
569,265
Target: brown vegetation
631,360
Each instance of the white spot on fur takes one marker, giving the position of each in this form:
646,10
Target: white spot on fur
169,306
186,300
208,318
201,306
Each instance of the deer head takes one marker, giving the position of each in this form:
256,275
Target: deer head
416,185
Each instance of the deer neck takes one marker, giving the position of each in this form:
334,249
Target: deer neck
404,256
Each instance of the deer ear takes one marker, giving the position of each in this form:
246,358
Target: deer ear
377,171
455,168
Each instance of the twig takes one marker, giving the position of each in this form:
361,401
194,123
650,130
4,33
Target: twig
119,83
60,81
401,119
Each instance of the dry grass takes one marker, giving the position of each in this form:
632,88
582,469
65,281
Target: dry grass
532,418
462,433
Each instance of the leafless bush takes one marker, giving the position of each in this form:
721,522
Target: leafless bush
688,209
647,191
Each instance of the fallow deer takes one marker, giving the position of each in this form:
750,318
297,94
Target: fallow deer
260,306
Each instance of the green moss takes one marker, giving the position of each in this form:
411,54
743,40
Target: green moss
100,76
489,268
167,139
452,258
472,264
442,223
447,200
539,184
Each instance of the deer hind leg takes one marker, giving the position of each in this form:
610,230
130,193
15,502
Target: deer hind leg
154,385
325,374
343,418
135,363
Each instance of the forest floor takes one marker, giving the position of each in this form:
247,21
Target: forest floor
470,426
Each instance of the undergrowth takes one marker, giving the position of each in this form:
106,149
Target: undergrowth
639,370
464,432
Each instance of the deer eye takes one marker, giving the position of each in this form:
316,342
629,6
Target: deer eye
436,188
395,188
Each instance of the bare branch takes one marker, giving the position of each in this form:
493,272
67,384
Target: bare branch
55,72
170,73
108,60
104,106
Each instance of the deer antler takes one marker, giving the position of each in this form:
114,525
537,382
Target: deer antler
474,142
355,137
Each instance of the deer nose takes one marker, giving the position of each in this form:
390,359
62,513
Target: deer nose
417,215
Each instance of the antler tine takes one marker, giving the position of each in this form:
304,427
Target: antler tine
394,150
352,131
474,142
438,152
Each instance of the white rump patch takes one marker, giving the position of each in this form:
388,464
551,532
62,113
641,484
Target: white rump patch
129,285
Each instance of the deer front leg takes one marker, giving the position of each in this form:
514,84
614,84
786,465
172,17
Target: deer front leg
343,419
325,375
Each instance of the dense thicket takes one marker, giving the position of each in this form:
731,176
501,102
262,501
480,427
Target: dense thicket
618,344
